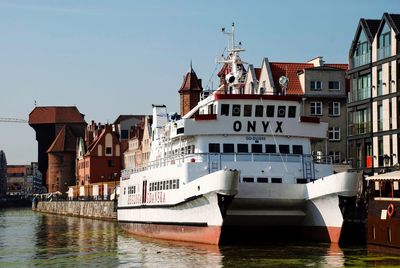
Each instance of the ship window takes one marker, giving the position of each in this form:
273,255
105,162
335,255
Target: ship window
177,184
281,111
270,110
242,148
270,148
284,149
247,110
210,109
259,111
225,109
124,190
228,148
301,181
174,184
297,149
160,186
262,180
276,180
256,148
236,110
213,148
248,179
292,112
180,130
167,185
389,234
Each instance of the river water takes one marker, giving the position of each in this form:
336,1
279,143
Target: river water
32,239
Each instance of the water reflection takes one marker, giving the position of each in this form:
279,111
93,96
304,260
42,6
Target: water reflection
29,239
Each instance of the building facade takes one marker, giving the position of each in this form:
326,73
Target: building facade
323,88
24,180
374,98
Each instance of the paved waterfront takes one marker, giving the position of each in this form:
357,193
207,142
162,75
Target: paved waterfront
29,239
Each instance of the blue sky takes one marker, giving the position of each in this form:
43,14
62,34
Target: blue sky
119,57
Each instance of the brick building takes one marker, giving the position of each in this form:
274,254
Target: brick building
190,91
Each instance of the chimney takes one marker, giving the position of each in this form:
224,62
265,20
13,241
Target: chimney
317,62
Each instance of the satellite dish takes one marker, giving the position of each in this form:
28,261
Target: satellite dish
283,81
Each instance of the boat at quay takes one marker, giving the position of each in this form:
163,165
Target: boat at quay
383,210
237,163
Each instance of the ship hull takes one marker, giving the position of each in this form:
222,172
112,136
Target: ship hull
196,218
293,211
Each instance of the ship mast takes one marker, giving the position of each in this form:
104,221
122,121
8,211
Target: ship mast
236,76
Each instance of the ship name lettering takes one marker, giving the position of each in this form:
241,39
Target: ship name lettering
252,126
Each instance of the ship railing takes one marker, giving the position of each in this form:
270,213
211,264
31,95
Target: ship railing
216,160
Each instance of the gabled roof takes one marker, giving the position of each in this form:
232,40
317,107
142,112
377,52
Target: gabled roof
190,82
393,20
65,141
55,114
123,117
258,72
370,27
289,70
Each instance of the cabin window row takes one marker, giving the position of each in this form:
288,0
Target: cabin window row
262,180
163,185
131,189
248,110
255,148
182,151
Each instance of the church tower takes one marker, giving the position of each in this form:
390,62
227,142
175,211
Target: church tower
190,91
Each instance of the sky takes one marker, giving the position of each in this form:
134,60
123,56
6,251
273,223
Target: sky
120,57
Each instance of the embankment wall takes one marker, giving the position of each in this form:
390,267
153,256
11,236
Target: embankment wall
105,210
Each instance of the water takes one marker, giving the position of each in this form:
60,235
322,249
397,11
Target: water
29,239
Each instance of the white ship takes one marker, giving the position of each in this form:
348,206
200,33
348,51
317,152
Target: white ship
239,162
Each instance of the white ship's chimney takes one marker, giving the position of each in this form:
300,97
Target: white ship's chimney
160,119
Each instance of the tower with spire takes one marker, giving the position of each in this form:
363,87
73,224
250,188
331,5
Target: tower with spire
190,91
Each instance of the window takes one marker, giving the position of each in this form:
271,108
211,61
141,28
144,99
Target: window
124,134
243,148
270,148
316,108
110,163
180,130
302,181
213,148
259,111
224,109
292,112
379,74
284,149
316,85
256,148
281,111
384,42
334,85
334,108
270,110
362,51
334,133
248,179
108,150
380,117
276,180
235,110
228,148
262,180
336,156
297,149
247,110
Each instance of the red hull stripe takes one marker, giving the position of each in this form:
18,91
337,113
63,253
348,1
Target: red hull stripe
206,235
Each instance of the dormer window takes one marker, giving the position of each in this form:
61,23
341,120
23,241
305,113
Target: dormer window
384,42
362,53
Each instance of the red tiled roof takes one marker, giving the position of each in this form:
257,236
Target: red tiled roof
55,114
290,70
190,82
64,142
